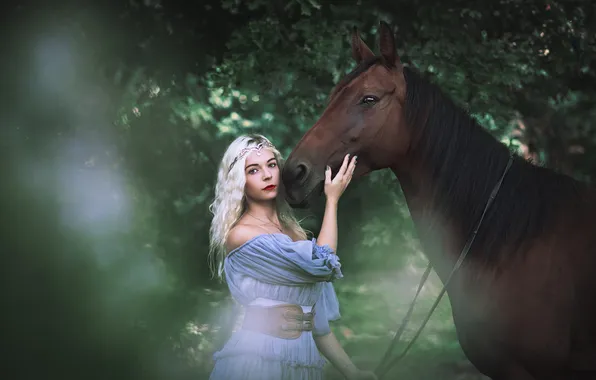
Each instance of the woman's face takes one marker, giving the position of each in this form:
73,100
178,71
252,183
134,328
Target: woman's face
262,176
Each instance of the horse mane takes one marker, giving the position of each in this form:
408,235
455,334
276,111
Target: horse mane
466,162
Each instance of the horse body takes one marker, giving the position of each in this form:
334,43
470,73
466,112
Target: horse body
523,318
524,299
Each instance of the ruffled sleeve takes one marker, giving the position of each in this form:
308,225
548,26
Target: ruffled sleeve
326,309
330,259
277,260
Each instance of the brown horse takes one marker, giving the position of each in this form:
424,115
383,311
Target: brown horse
524,300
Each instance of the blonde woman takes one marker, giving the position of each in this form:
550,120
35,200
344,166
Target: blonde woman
283,280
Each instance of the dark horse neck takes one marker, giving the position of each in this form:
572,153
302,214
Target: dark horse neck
447,177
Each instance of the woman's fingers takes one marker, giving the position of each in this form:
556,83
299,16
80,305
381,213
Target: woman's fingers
351,169
346,170
344,165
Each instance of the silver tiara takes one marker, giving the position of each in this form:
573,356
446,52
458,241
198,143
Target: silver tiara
259,147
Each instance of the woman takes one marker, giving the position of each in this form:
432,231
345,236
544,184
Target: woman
282,279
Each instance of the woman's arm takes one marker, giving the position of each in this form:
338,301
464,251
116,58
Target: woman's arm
328,234
329,346
333,190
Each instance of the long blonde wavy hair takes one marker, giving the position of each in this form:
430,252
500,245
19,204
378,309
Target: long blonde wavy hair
229,203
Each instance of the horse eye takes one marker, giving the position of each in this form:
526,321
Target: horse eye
369,100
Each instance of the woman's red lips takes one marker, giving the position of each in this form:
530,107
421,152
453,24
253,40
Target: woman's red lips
270,187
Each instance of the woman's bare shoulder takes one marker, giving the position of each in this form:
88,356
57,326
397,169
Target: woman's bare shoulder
240,234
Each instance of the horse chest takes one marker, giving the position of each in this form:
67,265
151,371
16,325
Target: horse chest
498,318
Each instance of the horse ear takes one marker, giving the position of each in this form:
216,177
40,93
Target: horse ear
360,51
387,45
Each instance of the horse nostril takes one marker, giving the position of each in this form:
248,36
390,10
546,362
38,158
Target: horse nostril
300,173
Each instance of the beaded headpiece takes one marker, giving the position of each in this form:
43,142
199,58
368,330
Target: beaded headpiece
259,147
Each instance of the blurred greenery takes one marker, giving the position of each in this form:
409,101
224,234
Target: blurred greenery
119,113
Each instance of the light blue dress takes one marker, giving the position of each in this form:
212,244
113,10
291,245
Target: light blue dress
272,266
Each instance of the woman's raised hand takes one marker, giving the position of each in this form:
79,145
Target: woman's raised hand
334,188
